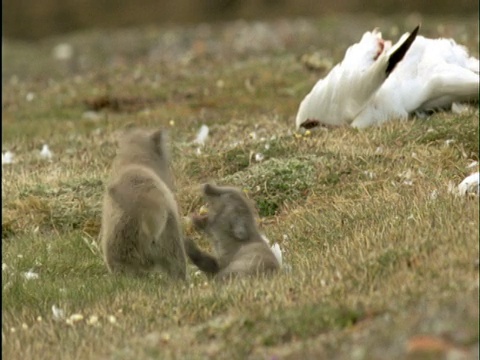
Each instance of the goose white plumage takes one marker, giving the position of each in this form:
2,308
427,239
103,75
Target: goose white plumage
469,185
376,83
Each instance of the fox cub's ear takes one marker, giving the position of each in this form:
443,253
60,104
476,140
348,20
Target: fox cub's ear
160,138
211,189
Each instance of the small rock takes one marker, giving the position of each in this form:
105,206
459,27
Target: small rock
30,96
91,115
92,320
316,61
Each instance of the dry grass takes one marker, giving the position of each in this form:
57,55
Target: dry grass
376,249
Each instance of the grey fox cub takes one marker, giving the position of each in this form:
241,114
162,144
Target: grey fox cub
230,222
141,229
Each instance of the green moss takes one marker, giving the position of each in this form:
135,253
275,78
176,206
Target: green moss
276,181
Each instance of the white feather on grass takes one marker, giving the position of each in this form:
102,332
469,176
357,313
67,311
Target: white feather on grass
275,249
45,153
259,157
7,158
202,135
30,275
58,314
277,252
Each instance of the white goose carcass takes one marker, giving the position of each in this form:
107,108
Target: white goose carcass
377,82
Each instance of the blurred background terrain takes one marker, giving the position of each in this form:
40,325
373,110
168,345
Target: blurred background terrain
381,260
34,19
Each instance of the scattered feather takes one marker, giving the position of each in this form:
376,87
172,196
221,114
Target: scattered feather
7,158
458,108
62,51
112,319
45,153
369,174
259,157
30,275
264,238
277,252
449,141
202,135
92,245
58,313
406,176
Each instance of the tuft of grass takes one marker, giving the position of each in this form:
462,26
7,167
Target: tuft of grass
438,131
276,181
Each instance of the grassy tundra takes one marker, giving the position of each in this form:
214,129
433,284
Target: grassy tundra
380,260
